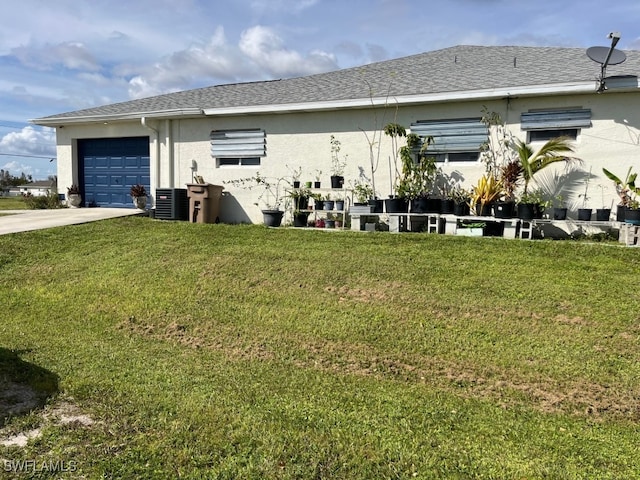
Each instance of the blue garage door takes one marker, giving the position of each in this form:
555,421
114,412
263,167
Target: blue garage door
110,166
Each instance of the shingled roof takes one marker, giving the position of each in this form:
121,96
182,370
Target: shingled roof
443,72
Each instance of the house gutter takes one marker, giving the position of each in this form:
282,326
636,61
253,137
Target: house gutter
84,119
471,95
143,121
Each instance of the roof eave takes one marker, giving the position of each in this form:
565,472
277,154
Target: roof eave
84,119
468,95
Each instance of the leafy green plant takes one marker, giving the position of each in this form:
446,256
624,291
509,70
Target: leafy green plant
271,189
625,189
337,164
532,162
73,190
42,202
362,191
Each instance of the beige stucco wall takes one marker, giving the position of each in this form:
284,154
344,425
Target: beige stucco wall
303,140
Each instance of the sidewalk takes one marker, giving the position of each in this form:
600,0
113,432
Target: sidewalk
15,221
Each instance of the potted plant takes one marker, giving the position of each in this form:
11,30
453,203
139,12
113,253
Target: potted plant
269,199
300,198
139,196
295,176
485,193
584,213
328,203
317,183
559,208
74,198
462,199
510,175
447,185
533,162
603,214
625,189
337,165
362,193
330,221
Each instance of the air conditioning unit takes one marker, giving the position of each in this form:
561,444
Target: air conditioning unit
172,204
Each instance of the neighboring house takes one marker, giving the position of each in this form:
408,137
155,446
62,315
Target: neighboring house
38,188
539,92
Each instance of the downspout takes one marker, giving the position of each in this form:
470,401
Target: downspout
169,139
143,121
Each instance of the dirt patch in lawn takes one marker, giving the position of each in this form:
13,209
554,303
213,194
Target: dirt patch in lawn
61,412
507,387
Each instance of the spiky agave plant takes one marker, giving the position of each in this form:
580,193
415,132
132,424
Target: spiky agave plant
533,161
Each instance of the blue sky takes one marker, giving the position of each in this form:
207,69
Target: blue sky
71,54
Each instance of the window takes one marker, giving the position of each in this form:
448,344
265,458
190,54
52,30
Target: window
238,162
455,140
543,125
238,147
544,135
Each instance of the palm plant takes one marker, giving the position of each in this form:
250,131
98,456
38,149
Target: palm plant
534,161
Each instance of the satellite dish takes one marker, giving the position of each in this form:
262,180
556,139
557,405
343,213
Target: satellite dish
599,55
606,56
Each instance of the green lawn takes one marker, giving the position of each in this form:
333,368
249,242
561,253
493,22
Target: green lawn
240,352
12,203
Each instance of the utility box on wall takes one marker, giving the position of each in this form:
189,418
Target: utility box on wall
204,202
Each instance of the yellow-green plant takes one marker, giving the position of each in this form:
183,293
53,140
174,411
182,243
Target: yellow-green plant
488,190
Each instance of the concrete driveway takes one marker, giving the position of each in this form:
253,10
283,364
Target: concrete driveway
25,220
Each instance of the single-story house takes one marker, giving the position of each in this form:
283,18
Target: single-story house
38,188
227,132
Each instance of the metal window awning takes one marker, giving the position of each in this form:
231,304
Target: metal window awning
456,135
556,119
238,143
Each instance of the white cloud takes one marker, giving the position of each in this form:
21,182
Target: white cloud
267,50
29,141
71,55
261,52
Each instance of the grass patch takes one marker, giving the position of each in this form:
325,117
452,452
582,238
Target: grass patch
12,203
243,352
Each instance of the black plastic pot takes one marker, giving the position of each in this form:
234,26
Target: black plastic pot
526,211
559,213
301,203
504,209
461,209
620,212
419,205
447,206
377,205
632,216
300,219
337,181
584,214
272,218
396,205
603,214
484,210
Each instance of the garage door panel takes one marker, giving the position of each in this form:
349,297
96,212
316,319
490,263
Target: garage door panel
111,166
